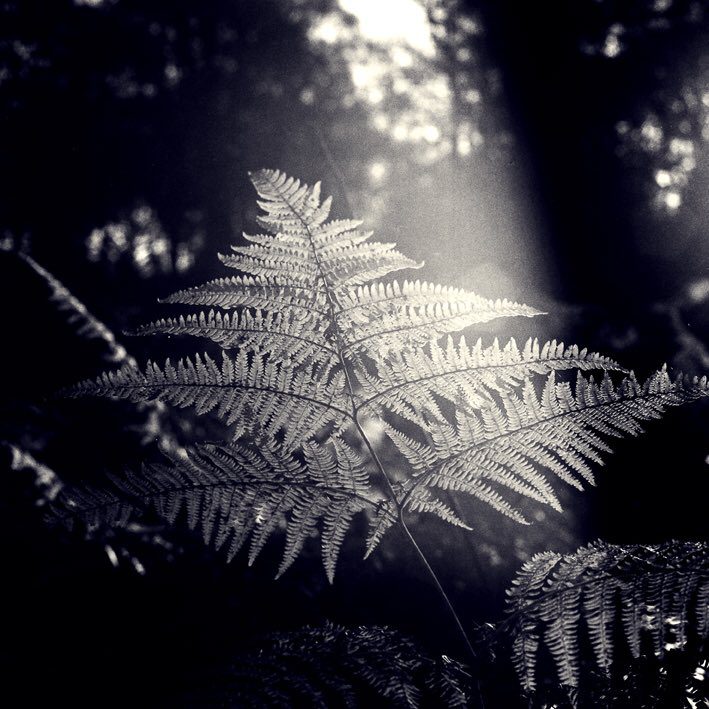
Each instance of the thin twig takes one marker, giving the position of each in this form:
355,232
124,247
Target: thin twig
330,159
339,346
86,323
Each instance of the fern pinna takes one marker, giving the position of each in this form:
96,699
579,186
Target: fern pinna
656,597
314,347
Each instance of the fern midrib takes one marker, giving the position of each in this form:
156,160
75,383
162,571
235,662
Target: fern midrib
141,500
574,361
332,308
211,327
340,348
235,385
372,452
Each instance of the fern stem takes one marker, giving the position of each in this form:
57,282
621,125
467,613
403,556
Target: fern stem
419,552
423,558
442,593
434,577
340,347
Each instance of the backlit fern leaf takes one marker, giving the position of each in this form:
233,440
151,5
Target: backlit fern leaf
249,390
314,343
658,592
288,335
404,380
508,443
392,317
250,292
306,251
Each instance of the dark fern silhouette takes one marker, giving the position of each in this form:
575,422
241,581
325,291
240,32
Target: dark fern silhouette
315,349
332,666
659,593
123,544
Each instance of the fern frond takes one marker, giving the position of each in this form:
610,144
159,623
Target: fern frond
313,342
231,493
93,507
288,203
527,584
421,500
336,666
248,389
384,517
85,323
658,589
510,444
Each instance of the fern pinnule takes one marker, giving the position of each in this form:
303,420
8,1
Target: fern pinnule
249,292
93,507
422,500
392,318
351,263
660,590
402,380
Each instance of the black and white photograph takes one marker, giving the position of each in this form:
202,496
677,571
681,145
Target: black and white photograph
355,354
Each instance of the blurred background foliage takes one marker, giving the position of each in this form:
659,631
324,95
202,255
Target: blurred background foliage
554,153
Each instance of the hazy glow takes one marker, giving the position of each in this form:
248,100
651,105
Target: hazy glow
329,29
387,21
697,293
400,132
663,178
673,200
431,133
377,172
